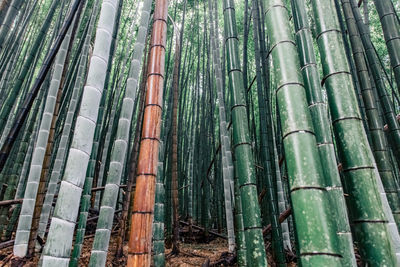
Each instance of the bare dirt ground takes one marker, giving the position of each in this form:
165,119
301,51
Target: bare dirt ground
195,254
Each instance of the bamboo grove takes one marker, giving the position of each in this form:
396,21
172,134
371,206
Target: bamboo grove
131,127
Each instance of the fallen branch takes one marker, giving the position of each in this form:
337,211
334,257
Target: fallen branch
226,259
262,195
10,202
282,218
20,200
6,244
202,229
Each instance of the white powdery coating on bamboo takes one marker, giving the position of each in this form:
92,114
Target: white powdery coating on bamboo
62,148
28,205
58,245
120,147
227,173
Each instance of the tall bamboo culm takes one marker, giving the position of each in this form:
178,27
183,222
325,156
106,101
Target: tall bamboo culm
139,252
319,113
391,30
58,245
243,160
120,147
306,178
370,222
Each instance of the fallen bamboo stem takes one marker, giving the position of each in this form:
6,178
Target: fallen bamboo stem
10,202
19,201
6,244
202,229
284,215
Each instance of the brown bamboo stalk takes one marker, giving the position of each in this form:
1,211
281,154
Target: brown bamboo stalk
174,176
143,205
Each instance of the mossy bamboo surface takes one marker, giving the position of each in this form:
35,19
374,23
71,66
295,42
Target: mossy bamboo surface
360,176
306,177
319,113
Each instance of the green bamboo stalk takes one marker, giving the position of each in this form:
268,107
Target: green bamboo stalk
158,224
6,25
15,42
87,190
244,161
37,110
319,114
59,162
174,147
59,240
9,103
365,203
111,111
391,31
379,142
4,6
19,163
387,105
265,154
310,199
239,228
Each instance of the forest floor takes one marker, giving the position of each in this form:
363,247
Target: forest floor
191,254
196,254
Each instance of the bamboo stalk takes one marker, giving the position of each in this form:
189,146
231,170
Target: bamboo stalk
143,206
365,203
244,161
59,240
